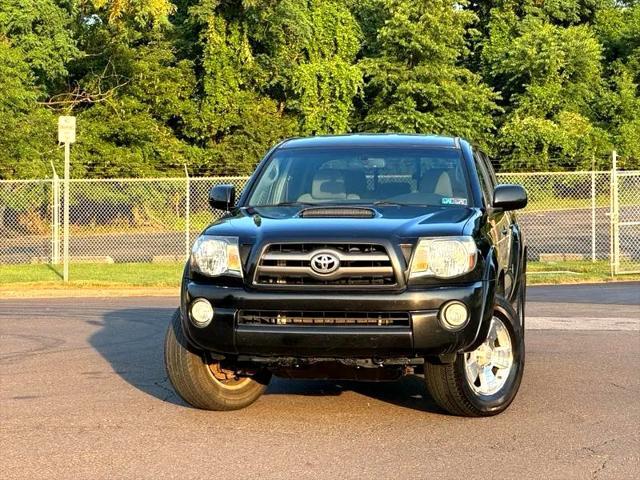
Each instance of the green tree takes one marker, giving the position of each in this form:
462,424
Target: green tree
141,11
268,70
35,48
415,80
305,60
157,84
234,124
28,131
41,32
550,78
618,29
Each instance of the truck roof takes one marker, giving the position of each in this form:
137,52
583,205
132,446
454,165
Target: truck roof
372,140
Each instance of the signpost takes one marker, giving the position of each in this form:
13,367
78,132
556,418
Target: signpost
67,136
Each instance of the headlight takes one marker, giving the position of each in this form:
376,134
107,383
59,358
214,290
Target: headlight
443,257
215,256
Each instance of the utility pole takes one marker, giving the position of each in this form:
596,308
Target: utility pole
67,136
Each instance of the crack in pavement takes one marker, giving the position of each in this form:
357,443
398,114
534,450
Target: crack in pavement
600,468
170,392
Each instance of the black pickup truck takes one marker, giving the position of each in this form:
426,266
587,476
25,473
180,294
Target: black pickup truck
357,257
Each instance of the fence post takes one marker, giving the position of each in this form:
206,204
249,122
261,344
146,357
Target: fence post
593,209
615,231
187,230
55,217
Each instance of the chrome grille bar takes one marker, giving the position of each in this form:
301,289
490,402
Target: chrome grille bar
344,257
340,273
289,264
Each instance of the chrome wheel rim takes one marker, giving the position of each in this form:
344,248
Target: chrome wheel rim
488,367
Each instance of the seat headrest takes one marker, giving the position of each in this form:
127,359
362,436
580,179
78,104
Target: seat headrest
356,181
328,185
438,182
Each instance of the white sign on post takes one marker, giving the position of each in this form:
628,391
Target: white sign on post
66,135
66,129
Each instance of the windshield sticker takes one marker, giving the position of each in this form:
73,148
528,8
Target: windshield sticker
454,201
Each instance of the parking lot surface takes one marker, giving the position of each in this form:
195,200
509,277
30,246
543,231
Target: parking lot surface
83,394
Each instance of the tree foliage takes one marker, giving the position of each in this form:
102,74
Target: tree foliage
211,84
550,76
415,78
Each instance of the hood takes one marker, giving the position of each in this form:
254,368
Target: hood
391,223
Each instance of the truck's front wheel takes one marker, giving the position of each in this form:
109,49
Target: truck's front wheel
203,383
483,382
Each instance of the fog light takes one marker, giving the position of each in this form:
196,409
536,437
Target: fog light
454,315
201,312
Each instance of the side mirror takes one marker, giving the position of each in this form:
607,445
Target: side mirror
222,197
509,197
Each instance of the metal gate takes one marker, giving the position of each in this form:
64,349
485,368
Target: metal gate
625,220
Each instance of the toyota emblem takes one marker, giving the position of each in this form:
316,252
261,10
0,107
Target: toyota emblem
325,263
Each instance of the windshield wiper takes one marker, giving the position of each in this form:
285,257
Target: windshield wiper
285,204
390,203
393,203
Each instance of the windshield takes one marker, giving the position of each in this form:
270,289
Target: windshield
356,176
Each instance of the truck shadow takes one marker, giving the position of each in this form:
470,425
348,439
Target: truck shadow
131,340
408,392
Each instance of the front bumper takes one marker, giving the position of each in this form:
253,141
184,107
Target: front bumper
423,336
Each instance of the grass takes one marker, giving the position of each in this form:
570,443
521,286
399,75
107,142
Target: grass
94,275
583,271
546,203
554,204
149,278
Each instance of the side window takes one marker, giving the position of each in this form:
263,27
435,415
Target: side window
271,182
492,173
485,181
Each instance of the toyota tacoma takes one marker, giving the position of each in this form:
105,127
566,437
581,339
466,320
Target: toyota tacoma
357,257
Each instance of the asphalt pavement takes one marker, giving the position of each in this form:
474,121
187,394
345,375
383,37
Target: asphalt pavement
83,394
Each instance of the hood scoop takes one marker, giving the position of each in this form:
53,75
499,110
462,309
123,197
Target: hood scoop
337,212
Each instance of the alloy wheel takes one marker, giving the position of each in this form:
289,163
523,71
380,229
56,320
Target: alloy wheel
488,367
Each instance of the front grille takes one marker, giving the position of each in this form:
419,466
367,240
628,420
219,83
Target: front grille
290,264
344,319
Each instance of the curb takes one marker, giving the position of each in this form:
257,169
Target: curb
32,291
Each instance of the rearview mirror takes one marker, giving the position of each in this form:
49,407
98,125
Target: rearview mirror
373,162
509,197
222,197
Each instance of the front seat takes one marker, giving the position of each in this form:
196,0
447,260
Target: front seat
327,185
437,182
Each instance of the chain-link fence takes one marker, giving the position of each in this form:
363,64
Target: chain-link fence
570,216
625,214
26,221
567,215
200,211
110,220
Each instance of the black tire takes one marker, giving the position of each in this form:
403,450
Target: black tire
450,389
194,382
